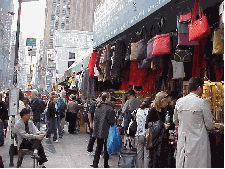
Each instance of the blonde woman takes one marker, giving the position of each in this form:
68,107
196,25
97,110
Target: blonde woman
157,157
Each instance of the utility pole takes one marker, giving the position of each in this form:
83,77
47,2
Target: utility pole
15,82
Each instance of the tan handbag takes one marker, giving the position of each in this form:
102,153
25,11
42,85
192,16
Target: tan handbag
218,41
134,52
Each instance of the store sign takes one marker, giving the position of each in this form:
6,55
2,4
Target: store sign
112,17
31,42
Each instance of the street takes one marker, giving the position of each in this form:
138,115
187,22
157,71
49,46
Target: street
69,152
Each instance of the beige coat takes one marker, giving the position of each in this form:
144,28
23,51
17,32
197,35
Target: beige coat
194,116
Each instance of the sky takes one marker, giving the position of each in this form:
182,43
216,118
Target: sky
32,18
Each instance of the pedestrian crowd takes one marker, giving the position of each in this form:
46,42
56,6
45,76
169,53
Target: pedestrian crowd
191,112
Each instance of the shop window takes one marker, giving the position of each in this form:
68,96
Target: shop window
68,6
52,23
70,63
63,19
71,55
57,10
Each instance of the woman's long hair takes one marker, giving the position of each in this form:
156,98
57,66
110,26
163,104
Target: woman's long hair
159,98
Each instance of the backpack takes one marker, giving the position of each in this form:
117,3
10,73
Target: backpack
126,120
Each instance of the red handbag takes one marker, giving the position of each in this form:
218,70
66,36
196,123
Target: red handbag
161,45
198,29
185,17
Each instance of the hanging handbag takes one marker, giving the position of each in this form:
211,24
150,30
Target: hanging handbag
150,48
198,29
183,21
142,49
161,42
142,45
182,55
218,41
144,64
134,52
183,39
161,45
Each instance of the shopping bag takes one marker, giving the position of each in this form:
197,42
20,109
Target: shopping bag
113,140
198,29
127,157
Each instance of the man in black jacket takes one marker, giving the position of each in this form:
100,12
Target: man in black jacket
36,108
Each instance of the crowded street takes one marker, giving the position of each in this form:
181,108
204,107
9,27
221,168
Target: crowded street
69,152
112,83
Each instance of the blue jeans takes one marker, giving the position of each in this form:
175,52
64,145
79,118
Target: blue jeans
59,126
52,129
1,133
38,125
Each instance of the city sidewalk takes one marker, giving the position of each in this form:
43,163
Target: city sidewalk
69,152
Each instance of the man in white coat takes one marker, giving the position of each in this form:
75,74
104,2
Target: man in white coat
194,116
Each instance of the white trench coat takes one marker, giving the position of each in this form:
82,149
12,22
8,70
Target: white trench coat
194,116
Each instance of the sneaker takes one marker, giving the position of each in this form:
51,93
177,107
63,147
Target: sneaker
56,141
60,136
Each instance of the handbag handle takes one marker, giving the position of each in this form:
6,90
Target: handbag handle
184,8
193,16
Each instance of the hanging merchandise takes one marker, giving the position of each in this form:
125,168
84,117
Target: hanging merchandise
150,43
183,39
218,41
137,77
158,61
183,21
142,45
178,69
182,55
134,52
161,45
198,29
92,62
128,53
144,64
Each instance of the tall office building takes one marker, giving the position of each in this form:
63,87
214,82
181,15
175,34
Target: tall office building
66,15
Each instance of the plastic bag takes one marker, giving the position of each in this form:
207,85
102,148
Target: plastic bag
113,140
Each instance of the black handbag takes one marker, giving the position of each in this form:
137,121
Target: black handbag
127,157
154,133
144,64
128,52
182,55
142,49
182,26
157,61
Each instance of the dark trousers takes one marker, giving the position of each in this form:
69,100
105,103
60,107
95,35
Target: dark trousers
91,142
100,143
34,144
52,128
72,122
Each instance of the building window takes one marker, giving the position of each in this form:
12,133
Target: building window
70,63
52,23
71,55
67,19
56,24
67,26
63,11
53,17
62,25
50,43
68,6
68,12
57,10
63,19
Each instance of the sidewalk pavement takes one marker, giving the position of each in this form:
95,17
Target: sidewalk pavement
69,152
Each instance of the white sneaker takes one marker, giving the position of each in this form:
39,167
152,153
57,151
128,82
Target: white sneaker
56,141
